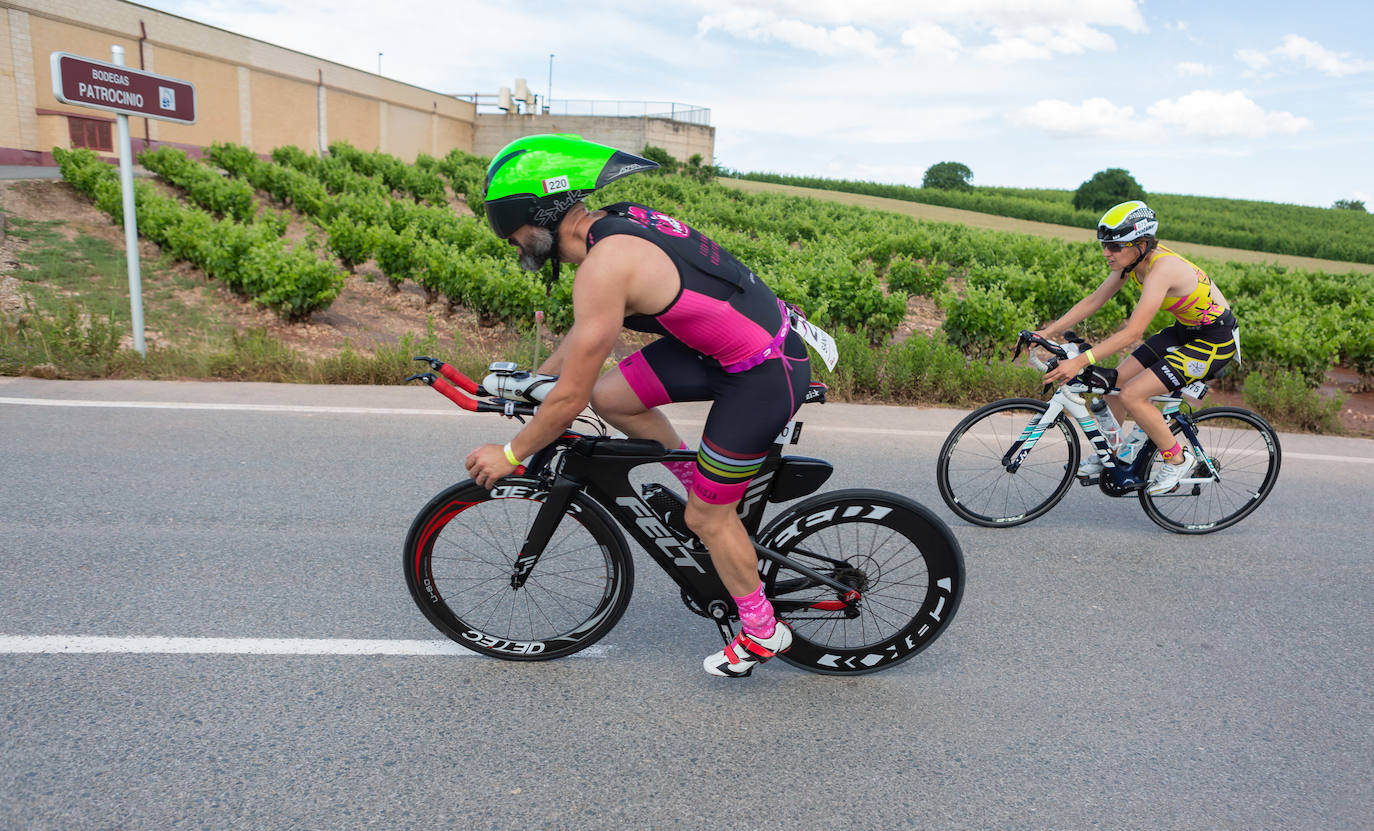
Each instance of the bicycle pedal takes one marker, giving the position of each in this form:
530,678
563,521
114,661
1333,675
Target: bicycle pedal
1089,481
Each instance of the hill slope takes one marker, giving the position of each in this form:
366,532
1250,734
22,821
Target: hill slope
1040,229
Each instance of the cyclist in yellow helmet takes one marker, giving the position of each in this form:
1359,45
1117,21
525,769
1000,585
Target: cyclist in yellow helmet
1203,339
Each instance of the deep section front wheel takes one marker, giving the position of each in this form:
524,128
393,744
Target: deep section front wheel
902,559
1244,451
460,554
978,487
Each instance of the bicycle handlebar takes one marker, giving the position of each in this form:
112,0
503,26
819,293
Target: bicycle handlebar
1030,340
469,402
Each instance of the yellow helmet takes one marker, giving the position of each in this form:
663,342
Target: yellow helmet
1126,222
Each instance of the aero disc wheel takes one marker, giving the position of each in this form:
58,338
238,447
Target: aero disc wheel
901,558
976,486
1244,449
460,553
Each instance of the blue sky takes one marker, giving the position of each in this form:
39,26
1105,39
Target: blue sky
1271,101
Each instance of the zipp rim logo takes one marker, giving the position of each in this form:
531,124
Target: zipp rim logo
872,513
941,590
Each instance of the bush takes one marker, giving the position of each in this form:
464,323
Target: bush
907,275
1285,399
667,164
984,322
1107,188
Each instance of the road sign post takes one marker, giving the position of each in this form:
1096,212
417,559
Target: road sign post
123,91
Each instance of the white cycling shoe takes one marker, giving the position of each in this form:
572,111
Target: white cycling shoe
748,651
1092,463
1091,466
1167,475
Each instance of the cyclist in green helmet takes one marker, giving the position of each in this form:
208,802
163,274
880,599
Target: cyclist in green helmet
1204,338
726,339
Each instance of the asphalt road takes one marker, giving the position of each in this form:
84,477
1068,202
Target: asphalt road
1101,673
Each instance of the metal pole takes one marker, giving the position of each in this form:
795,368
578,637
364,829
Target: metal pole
549,106
538,336
379,63
126,185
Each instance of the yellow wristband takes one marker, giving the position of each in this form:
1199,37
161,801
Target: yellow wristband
510,455
1089,353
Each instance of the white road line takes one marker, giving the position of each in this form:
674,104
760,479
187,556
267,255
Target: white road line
79,645
303,408
258,408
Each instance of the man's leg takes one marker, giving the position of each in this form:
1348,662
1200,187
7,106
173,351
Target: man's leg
732,552
614,400
761,635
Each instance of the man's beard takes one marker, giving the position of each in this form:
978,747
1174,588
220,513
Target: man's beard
537,252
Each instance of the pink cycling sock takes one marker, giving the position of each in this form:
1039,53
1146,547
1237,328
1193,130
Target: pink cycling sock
756,614
1173,454
684,471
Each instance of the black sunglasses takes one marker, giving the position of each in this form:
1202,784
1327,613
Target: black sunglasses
1117,246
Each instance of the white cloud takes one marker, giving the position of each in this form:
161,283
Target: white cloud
1189,69
1252,58
1310,54
1013,50
763,26
1009,30
1315,56
929,40
1214,114
1094,117
1204,113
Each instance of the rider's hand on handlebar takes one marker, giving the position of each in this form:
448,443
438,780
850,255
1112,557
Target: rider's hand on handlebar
487,464
1066,369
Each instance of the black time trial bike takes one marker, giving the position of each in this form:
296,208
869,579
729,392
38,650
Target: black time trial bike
1011,461
537,567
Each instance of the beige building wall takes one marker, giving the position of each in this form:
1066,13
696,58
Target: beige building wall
260,95
247,91
680,139
353,115
283,113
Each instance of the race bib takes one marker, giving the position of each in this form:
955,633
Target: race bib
819,340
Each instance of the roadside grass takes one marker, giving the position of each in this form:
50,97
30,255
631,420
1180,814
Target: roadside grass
76,311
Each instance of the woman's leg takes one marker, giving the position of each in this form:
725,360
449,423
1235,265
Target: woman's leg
1135,397
1128,369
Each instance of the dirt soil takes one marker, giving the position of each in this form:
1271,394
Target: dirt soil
369,313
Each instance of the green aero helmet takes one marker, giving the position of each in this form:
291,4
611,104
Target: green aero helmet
535,180
1127,222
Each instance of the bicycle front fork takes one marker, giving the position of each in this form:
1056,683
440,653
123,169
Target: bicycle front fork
541,530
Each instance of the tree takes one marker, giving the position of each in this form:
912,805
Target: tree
1349,205
948,176
1107,188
